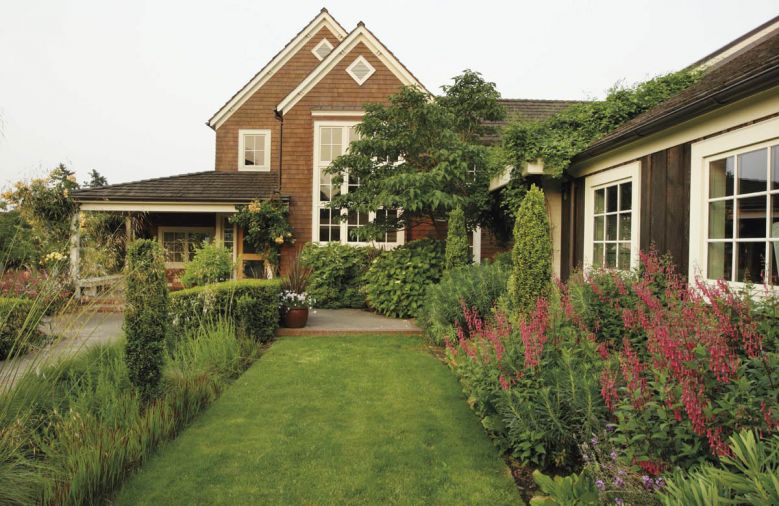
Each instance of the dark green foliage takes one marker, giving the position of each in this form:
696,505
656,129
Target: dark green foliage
95,180
212,263
266,227
252,305
337,274
19,319
568,490
397,280
17,249
558,139
532,253
478,286
457,254
146,314
422,156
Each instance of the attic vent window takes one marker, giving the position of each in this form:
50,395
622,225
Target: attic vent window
360,70
322,49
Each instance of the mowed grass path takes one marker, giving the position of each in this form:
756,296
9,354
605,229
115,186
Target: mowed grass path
332,420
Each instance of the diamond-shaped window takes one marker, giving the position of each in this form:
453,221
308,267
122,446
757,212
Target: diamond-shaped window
360,70
322,49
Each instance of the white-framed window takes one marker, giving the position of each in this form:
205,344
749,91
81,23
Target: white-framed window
254,150
734,206
180,243
331,140
322,49
360,70
611,211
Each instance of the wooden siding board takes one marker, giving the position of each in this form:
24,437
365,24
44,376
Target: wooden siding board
646,203
657,218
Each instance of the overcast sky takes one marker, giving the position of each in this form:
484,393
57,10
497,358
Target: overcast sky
126,87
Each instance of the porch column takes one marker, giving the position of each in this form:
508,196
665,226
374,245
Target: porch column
75,251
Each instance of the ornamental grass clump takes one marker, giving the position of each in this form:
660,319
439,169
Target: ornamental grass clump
146,315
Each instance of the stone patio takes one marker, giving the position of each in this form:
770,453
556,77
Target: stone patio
323,322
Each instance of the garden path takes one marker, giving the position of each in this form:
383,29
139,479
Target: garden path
71,332
350,321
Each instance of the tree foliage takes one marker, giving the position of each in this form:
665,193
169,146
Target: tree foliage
532,254
146,314
95,180
457,254
422,156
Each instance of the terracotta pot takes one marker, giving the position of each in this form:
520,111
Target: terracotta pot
295,318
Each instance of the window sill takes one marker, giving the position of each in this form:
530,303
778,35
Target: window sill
253,169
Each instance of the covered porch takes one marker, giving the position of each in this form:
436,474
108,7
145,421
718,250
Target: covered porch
181,212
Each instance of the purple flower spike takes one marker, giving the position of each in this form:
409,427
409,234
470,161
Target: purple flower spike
600,485
613,455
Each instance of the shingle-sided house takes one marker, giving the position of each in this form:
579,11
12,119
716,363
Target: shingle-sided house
274,137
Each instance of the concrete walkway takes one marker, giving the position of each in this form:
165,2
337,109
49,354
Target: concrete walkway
71,333
350,321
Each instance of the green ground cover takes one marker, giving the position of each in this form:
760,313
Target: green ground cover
332,420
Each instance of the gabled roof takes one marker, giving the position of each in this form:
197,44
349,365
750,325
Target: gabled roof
753,70
358,35
738,45
208,186
323,19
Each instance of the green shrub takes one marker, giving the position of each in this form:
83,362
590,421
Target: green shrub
532,253
212,263
564,490
478,286
457,254
146,314
337,272
397,280
19,319
252,305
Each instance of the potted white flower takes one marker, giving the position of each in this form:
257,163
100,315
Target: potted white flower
295,302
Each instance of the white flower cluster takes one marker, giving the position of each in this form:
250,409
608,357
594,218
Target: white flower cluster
290,299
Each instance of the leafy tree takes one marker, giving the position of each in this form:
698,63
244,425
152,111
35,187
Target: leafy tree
16,247
457,254
532,254
422,155
146,315
95,180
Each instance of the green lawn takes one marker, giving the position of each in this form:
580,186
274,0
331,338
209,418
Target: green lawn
332,420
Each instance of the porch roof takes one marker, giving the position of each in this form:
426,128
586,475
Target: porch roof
207,187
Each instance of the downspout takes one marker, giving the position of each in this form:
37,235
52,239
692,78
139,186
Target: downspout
280,118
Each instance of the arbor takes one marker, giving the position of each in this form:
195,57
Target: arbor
421,156
457,254
531,274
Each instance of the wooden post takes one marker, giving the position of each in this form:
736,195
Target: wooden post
75,252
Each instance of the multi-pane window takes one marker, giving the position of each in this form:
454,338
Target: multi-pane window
743,216
254,150
333,140
228,234
180,245
612,226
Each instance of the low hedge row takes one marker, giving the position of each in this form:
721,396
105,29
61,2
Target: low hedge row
252,305
19,319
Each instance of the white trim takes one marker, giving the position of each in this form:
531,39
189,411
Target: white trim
160,237
337,114
766,132
476,245
359,34
360,80
322,20
740,112
160,207
323,42
242,133
315,203
628,172
718,57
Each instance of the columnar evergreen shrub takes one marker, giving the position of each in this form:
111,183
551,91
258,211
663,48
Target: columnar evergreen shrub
212,263
146,314
19,319
457,254
397,280
477,286
251,305
337,272
532,254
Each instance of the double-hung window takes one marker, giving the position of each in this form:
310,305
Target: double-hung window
179,244
331,140
742,209
611,225
254,150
